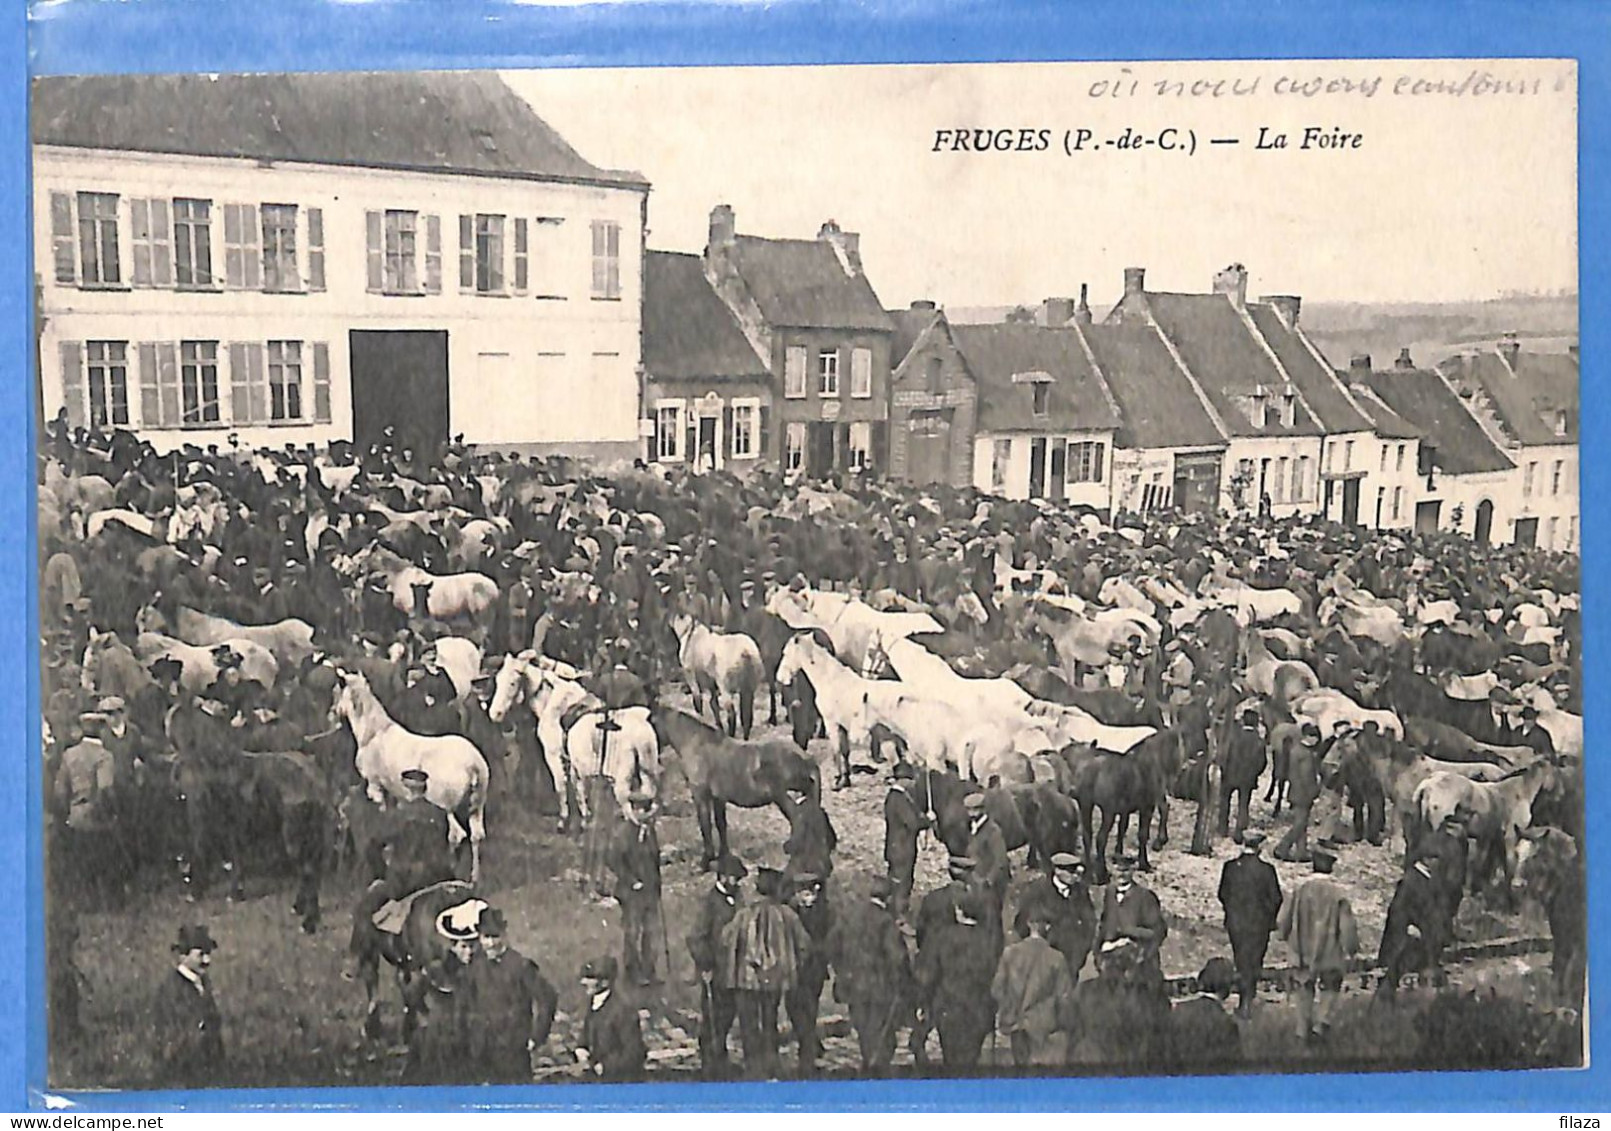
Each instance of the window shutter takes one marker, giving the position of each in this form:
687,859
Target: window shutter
763,438
321,383
600,275
61,237
161,244
522,255
466,253
727,427
315,242
690,431
612,260
1096,462
234,270
150,402
879,448
140,237
256,383
251,233
433,255
168,383
240,404
73,382
861,372
372,251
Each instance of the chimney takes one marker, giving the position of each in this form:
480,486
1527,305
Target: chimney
1082,312
1405,361
1510,349
1285,307
723,227
1359,366
846,245
923,305
1135,281
1059,311
1232,282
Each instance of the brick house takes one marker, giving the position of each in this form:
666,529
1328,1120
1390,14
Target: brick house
808,310
933,403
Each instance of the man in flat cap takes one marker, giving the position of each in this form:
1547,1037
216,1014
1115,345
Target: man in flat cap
903,821
717,1006
872,972
1065,900
988,848
1250,893
809,899
1030,986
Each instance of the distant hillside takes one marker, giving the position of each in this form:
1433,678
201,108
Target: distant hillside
1432,331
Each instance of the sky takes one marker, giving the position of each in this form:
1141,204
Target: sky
1464,192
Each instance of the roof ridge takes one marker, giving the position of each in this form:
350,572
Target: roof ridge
1246,318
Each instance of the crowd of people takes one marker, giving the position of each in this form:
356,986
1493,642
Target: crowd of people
145,736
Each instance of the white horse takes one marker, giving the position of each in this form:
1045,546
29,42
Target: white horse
200,666
290,640
456,772
841,694
1327,706
569,726
719,664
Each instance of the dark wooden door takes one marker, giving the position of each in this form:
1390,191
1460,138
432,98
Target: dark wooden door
1037,468
400,381
1054,488
1426,516
1350,515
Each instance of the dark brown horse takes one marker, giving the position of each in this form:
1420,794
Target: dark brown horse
1121,784
941,793
723,771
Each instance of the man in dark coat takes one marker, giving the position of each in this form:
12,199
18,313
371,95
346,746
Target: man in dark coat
1447,852
987,847
1130,911
1250,893
189,1043
812,838
955,967
872,973
1363,788
1417,928
416,831
512,1002
717,1007
802,1000
612,1040
1065,901
903,821
429,704
635,860
936,914
1244,762
1531,735
1202,1035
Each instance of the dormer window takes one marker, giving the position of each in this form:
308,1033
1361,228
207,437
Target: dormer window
1560,422
1043,396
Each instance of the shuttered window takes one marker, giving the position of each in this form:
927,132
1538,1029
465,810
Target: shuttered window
433,255
279,248
401,252
192,243
794,371
466,253
198,383
151,238
97,239
743,428
668,431
315,249
72,354
374,252
285,381
522,254
63,246
242,262
606,259
1086,460
159,386
108,380
861,372
321,383
548,258
248,391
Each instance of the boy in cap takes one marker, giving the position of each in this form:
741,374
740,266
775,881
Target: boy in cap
1250,893
1317,924
810,902
513,1003
189,1042
717,1006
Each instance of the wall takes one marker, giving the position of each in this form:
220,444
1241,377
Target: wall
1386,474
957,392
700,398
843,408
557,346
1098,495
1467,492
1544,502
1134,469
1306,500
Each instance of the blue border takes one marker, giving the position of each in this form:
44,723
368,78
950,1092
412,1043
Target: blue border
212,35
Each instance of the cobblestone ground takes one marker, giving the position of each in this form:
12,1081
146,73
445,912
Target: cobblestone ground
291,1017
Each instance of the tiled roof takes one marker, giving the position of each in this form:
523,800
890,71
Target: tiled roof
1384,421
996,354
802,283
1160,409
461,122
1227,361
1528,399
1316,383
687,330
909,326
1462,447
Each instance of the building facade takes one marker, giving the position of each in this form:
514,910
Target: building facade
1399,478
307,258
808,310
934,401
707,394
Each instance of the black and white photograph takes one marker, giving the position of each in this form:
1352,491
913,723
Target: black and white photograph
777,573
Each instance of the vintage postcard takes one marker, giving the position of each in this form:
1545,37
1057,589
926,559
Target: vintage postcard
793,572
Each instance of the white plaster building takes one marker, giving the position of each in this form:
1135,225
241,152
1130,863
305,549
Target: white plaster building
308,258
